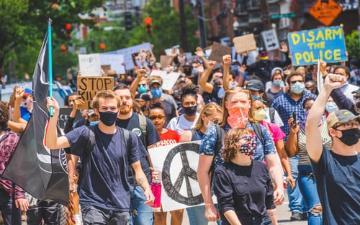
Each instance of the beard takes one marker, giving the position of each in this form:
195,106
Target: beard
125,109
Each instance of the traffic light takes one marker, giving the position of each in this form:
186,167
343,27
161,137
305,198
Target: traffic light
148,24
128,21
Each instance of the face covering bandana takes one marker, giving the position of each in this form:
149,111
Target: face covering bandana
278,83
249,147
156,92
237,118
108,118
331,107
142,89
259,115
190,111
350,137
297,88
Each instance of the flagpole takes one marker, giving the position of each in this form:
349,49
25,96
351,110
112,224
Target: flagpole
50,69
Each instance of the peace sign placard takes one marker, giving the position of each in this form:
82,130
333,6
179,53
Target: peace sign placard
178,164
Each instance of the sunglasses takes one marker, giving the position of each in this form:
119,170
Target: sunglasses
156,117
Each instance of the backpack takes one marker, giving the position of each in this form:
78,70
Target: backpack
143,127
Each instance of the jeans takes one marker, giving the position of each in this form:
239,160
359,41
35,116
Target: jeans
96,216
48,211
308,190
295,198
196,215
10,214
141,214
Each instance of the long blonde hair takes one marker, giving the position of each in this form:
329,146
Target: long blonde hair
229,93
207,110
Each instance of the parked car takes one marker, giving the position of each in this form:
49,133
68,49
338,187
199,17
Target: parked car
59,91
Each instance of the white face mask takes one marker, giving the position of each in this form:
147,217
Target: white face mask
331,107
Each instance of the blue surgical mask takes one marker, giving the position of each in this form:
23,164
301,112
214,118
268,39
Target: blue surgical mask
156,92
93,123
142,89
331,107
297,88
278,83
255,97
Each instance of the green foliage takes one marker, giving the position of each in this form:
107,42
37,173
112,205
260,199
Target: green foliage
353,44
23,26
165,27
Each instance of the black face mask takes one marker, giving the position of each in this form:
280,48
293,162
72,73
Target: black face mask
350,137
108,118
190,111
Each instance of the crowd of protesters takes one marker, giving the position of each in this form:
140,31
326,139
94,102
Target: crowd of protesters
262,126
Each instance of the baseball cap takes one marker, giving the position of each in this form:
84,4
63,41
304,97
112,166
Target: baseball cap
155,80
255,85
340,117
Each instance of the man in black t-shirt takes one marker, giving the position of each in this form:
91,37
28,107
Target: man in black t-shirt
146,131
337,171
106,152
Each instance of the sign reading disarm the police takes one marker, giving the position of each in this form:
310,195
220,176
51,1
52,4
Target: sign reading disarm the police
178,164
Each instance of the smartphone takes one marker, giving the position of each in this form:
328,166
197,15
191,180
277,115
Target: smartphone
294,117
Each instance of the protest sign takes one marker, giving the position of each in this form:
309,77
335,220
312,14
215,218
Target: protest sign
115,61
89,86
169,79
326,44
325,12
166,60
89,65
178,164
270,40
64,115
218,51
245,43
128,53
173,50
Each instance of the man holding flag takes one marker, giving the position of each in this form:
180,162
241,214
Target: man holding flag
106,151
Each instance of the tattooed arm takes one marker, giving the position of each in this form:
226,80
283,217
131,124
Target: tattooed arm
143,182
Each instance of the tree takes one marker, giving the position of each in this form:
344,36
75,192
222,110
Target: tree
23,24
165,30
353,44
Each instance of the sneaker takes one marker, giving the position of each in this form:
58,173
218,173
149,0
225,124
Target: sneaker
304,216
296,216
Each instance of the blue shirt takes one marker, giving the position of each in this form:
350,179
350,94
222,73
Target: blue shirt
208,144
104,181
285,106
338,184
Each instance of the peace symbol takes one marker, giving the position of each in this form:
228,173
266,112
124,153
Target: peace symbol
173,190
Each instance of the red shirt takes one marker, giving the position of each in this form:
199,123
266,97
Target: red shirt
168,138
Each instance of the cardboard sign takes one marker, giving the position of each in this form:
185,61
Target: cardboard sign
89,65
218,51
115,61
178,164
245,43
326,43
166,60
270,40
169,79
324,12
88,87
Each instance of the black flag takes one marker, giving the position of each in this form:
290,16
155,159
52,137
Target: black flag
33,167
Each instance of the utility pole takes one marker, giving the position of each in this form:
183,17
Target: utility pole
183,36
202,27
